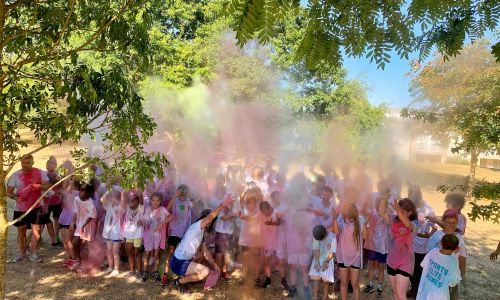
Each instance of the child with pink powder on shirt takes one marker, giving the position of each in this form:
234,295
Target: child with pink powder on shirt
156,219
400,257
350,230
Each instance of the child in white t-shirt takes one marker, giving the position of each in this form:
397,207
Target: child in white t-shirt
440,270
83,223
322,269
132,232
114,208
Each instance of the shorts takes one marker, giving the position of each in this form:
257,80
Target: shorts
276,253
222,241
376,256
341,265
173,240
45,219
34,217
55,210
61,226
394,272
302,259
115,241
137,242
179,266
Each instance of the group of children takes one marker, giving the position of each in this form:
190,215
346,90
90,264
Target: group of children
322,230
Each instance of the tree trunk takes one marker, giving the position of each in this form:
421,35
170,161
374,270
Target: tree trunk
474,153
3,220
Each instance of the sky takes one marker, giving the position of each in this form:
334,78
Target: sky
389,86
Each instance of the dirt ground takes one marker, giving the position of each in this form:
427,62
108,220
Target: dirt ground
49,280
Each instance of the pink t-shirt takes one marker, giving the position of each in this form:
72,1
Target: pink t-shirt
54,197
250,234
153,229
400,255
268,232
67,207
22,183
182,212
299,232
378,234
83,211
349,251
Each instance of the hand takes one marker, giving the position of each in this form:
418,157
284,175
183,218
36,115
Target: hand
229,200
325,266
494,254
317,267
81,231
432,219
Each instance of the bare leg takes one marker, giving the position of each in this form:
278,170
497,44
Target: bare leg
326,285
138,263
116,255
293,275
316,284
402,283
57,228
131,256
305,275
145,260
156,265
354,276
392,281
35,237
109,254
52,232
344,280
21,239
170,251
195,272
381,269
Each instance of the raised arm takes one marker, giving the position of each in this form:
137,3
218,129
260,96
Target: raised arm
172,200
382,210
335,226
402,216
208,219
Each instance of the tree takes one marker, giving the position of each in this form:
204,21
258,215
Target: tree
324,95
460,99
67,71
371,28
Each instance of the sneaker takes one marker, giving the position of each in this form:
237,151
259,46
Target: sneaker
115,273
180,287
108,271
35,258
164,280
258,283
284,285
18,259
292,292
144,276
265,284
379,293
155,276
73,265
369,289
307,293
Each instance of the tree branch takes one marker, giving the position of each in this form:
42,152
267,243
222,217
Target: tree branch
83,46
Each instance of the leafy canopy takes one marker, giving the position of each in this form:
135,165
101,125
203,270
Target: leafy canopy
368,28
68,70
